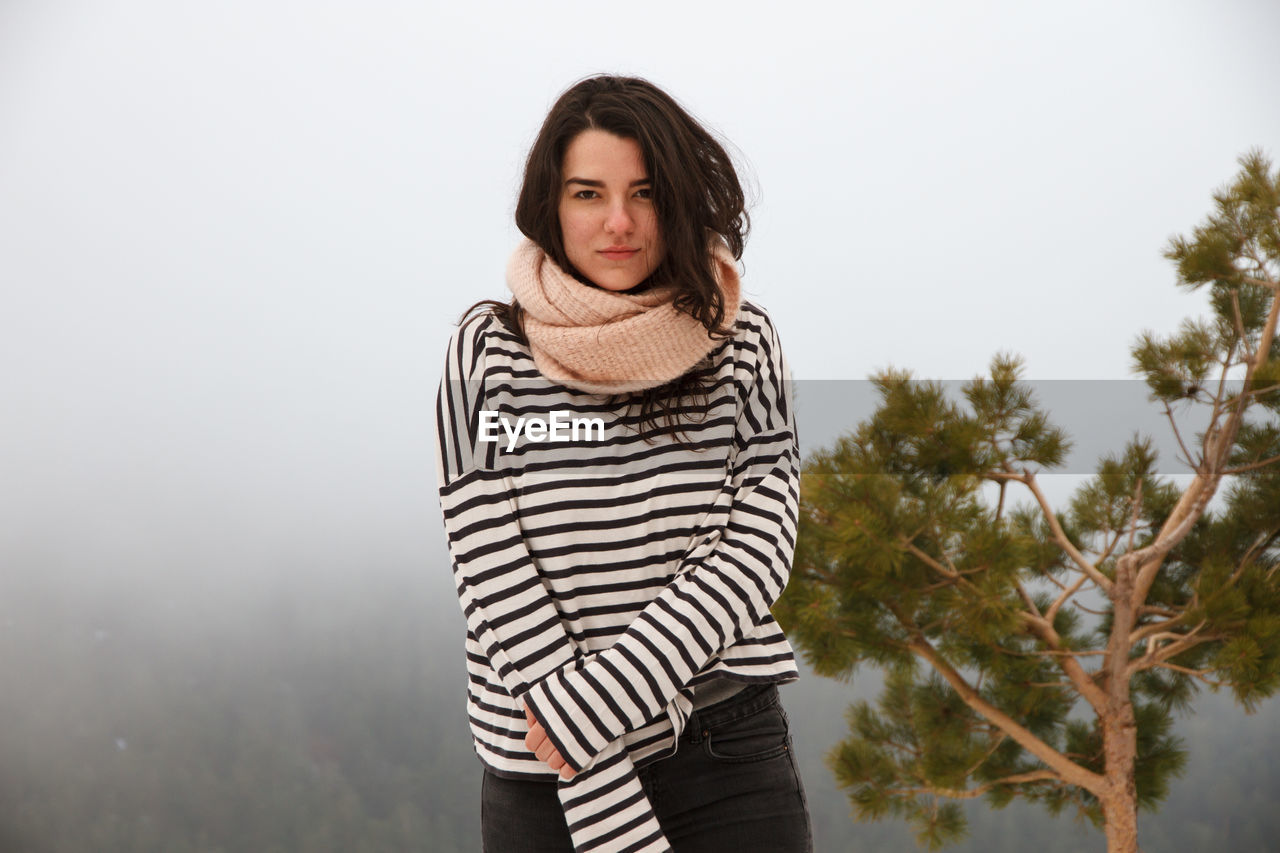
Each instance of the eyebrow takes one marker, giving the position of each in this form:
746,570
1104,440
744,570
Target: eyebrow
590,183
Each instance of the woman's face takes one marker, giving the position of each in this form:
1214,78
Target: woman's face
607,220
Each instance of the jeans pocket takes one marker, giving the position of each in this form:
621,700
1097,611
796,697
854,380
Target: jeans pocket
756,737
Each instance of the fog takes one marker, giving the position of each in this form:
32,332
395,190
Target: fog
233,240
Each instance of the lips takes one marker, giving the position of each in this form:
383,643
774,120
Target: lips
618,253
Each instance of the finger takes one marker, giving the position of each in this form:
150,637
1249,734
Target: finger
534,740
567,772
545,751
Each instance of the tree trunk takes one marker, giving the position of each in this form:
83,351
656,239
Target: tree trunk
1121,815
1119,728
1120,804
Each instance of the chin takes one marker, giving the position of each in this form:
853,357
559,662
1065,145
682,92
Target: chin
615,283
621,288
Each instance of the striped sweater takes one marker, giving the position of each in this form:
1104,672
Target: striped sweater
604,579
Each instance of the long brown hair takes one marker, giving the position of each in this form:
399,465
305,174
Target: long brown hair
696,192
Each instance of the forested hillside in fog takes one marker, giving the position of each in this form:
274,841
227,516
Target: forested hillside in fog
322,710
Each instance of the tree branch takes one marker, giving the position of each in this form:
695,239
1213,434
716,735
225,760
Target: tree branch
1110,549
1065,768
1188,641
1149,559
1071,667
1028,479
1261,282
1088,610
1162,654
1052,612
915,551
1202,674
1075,653
1239,321
1265,541
1032,610
1217,446
1152,628
1252,466
990,752
1177,433
1133,517
971,793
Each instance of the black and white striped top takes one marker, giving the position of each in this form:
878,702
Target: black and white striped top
604,579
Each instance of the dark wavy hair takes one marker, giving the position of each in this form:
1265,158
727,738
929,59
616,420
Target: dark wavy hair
696,193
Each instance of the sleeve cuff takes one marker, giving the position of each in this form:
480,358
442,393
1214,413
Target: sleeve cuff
567,719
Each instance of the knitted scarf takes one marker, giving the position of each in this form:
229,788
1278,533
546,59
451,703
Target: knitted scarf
604,342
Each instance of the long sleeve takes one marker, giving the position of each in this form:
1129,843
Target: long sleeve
502,597
724,587
509,611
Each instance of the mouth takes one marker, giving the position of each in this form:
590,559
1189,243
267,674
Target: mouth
619,253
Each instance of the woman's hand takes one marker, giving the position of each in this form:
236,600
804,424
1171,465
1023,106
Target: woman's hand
537,742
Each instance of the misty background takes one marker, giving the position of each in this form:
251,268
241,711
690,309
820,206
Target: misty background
234,238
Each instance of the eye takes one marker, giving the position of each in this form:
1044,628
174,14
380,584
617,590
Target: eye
586,195
644,192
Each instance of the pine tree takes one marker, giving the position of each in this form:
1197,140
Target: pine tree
1040,652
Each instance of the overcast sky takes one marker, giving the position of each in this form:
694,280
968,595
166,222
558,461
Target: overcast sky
234,235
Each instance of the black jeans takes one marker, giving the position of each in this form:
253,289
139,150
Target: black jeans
732,786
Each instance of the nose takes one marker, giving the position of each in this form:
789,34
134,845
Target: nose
618,220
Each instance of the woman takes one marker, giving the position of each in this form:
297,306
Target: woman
619,478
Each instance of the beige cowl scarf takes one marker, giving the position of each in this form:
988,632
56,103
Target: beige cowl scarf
603,342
